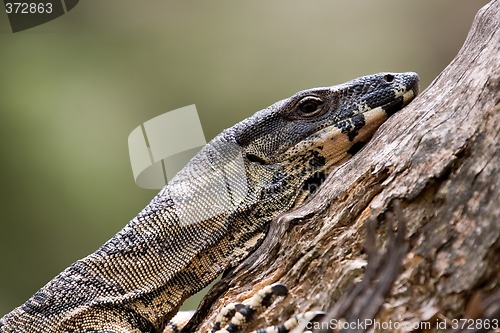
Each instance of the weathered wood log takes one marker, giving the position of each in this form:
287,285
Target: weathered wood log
440,158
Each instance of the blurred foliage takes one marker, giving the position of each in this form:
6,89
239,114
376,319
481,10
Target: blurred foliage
73,89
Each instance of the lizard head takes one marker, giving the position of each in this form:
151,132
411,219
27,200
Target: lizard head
281,154
316,129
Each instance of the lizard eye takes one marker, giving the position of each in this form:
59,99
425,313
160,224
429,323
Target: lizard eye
310,106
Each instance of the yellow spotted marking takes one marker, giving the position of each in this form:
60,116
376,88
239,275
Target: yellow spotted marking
336,144
363,107
408,96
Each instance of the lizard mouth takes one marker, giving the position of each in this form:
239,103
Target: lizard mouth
394,106
402,99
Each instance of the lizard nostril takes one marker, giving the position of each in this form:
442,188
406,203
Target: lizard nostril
389,77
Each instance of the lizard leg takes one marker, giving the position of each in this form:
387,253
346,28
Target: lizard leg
176,324
235,316
301,320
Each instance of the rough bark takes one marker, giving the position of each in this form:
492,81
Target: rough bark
440,158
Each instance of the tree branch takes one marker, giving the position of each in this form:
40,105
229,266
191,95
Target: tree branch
440,157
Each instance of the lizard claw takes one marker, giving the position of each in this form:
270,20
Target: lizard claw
235,316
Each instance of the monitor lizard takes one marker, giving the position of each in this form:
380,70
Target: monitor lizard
215,211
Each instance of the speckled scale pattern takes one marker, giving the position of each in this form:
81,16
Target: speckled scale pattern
214,212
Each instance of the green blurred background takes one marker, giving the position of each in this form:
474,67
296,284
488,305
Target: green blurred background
73,89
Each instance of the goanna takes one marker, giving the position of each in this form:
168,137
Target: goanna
214,212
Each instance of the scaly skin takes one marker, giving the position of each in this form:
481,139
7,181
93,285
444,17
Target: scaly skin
214,212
